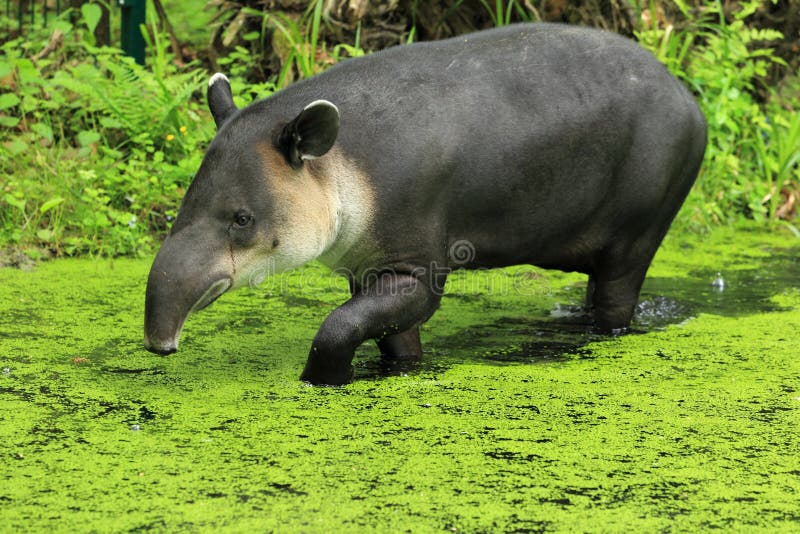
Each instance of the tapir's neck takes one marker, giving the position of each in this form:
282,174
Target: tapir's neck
352,205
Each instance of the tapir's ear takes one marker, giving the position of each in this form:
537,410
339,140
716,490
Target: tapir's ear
220,98
311,134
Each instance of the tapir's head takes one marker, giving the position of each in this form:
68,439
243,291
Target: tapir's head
254,208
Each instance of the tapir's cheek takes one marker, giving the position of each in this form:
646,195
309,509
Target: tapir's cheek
251,265
249,237
274,255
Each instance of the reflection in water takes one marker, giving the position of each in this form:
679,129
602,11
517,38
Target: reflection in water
718,283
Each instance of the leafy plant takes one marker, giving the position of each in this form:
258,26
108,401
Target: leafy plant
296,42
501,14
238,64
301,47
98,148
96,151
503,10
778,158
752,148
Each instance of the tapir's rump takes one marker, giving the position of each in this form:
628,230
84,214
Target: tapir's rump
552,145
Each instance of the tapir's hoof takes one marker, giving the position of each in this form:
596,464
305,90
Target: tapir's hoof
328,377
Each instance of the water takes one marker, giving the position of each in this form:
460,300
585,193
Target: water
519,417
560,332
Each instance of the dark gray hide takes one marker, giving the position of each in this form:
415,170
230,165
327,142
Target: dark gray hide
558,146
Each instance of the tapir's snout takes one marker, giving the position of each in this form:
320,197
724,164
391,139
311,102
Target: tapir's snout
182,280
162,349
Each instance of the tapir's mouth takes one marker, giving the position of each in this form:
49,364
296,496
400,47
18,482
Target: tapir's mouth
161,334
212,293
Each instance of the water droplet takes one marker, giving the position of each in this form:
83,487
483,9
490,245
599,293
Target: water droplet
135,428
718,283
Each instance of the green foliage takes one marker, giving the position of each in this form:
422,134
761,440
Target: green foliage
96,151
91,17
502,12
237,65
97,148
294,41
753,147
298,43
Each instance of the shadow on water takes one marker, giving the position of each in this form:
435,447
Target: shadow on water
560,333
505,340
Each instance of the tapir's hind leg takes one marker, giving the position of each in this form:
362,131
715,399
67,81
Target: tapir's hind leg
619,270
614,286
590,288
405,345
615,298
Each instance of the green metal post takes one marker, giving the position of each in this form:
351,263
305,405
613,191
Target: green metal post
133,13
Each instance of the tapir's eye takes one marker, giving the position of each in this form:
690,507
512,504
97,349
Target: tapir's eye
242,219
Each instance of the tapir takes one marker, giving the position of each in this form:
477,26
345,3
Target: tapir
551,145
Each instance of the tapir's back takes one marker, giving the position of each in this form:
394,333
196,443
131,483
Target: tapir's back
537,132
505,80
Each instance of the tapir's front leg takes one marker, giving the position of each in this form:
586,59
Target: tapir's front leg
394,303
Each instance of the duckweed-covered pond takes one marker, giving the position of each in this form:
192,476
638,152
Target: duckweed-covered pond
519,418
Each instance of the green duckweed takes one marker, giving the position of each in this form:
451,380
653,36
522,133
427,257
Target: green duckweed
518,419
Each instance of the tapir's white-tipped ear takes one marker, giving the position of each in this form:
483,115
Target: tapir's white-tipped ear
220,98
323,103
218,77
311,134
